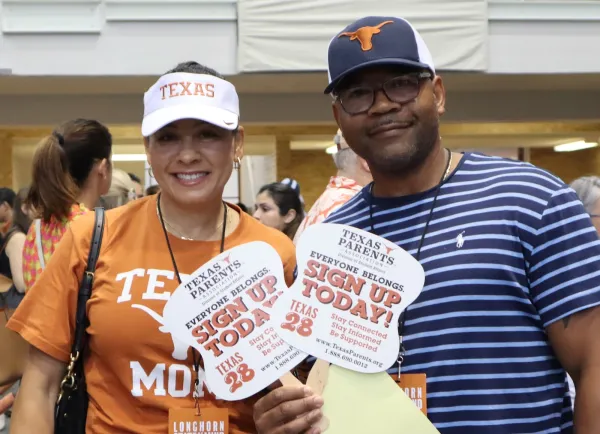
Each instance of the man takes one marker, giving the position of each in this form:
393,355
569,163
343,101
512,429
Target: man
511,257
352,174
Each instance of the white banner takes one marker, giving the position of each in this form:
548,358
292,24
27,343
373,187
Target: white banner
293,35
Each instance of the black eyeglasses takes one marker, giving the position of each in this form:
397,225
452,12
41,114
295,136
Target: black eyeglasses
402,89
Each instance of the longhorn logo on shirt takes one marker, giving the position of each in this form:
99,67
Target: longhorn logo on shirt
180,348
365,35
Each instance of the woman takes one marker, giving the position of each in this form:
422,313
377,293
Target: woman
7,198
71,170
11,250
11,266
136,373
279,206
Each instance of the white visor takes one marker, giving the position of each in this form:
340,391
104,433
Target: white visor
190,96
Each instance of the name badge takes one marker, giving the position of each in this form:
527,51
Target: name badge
415,387
210,421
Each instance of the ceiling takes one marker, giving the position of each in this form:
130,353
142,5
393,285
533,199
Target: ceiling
313,82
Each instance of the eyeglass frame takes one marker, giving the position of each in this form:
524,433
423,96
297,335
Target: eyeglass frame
422,75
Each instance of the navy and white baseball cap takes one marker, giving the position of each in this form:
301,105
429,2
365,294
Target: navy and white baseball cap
376,41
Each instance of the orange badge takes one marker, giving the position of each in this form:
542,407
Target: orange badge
365,35
415,387
210,421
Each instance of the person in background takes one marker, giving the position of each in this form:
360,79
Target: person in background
7,214
71,170
122,190
139,189
11,266
7,198
279,206
588,191
243,207
193,142
152,190
294,185
11,255
352,174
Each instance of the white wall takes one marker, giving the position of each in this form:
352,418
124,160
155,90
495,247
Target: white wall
454,30
232,188
257,170
115,37
147,37
543,36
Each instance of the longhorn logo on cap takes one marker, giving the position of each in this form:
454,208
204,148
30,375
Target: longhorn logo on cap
365,35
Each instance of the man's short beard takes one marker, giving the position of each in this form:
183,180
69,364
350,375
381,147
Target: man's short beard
412,159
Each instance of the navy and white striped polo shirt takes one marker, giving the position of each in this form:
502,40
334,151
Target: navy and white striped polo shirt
509,251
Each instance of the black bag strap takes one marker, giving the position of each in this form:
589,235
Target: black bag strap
85,287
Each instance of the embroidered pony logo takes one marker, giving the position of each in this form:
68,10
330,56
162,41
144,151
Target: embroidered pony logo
460,240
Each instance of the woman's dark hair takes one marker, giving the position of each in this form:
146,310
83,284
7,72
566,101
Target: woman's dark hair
62,164
192,67
286,198
135,178
7,195
153,189
21,221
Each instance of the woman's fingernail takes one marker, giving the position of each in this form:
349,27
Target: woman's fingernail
307,391
318,401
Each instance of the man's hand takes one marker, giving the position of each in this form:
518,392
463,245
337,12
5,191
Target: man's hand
288,410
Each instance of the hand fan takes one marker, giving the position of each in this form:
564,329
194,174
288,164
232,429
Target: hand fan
344,306
370,403
224,311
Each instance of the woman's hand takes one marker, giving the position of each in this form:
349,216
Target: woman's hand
288,410
6,402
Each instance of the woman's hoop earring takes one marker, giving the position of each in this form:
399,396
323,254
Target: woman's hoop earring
151,173
237,163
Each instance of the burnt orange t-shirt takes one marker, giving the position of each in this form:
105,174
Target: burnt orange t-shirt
134,372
